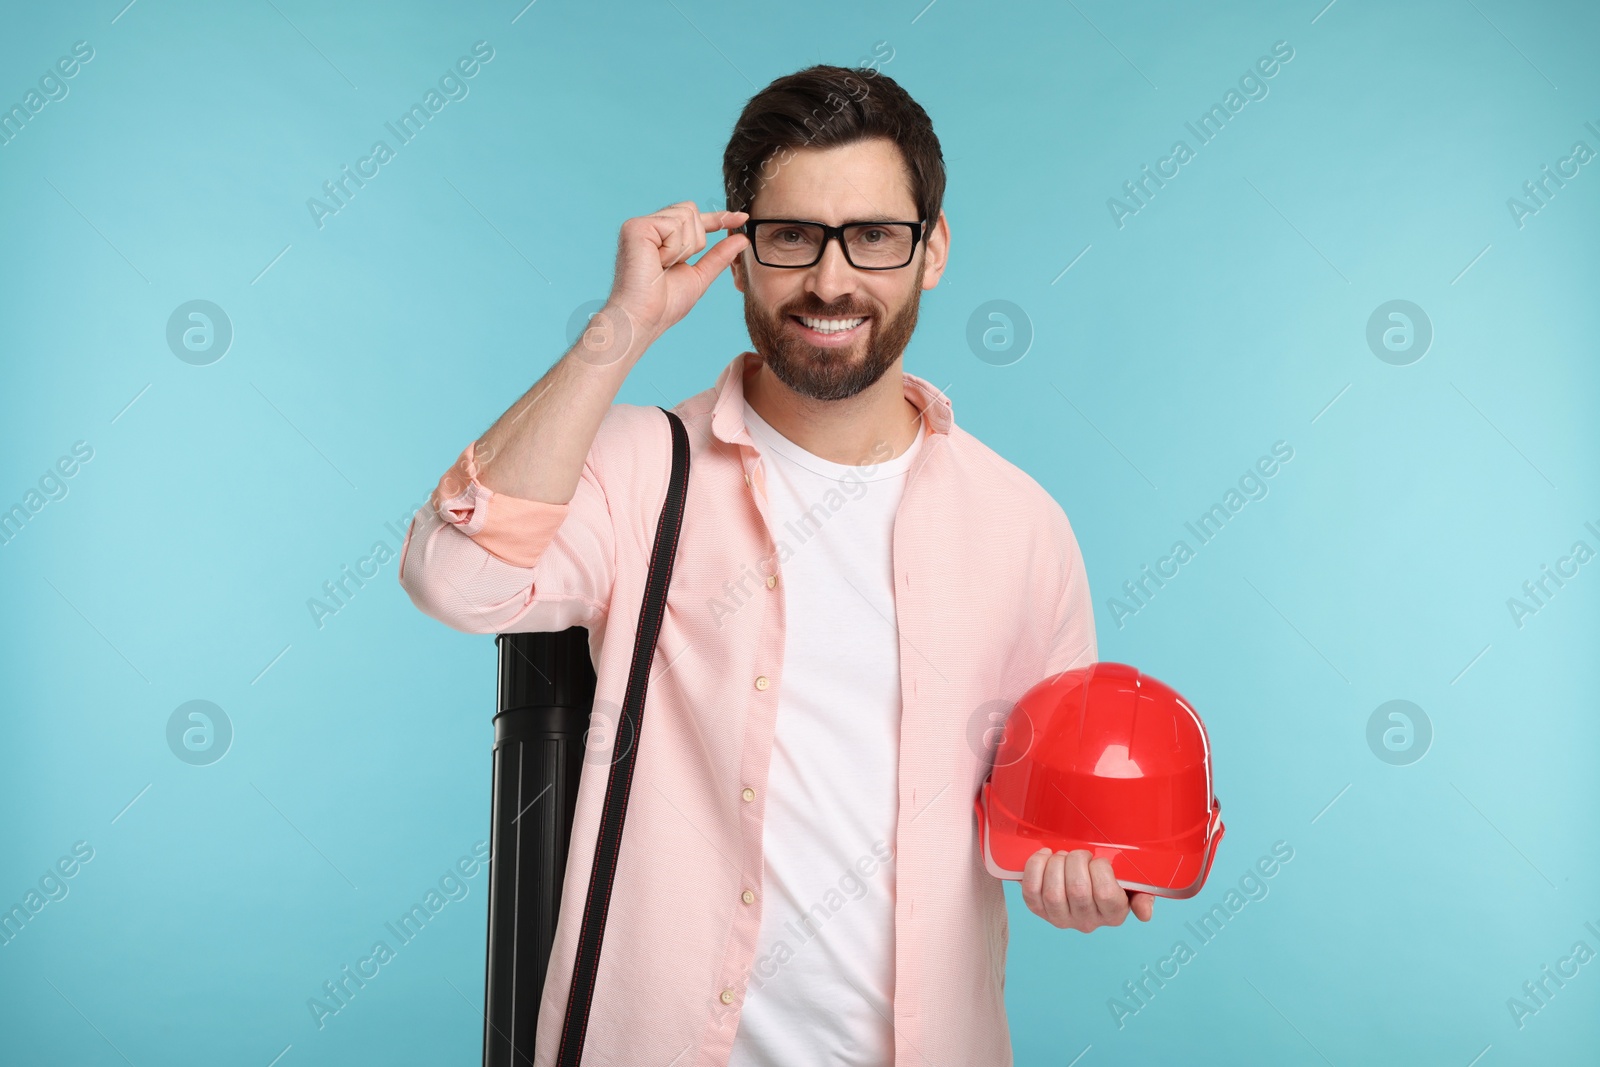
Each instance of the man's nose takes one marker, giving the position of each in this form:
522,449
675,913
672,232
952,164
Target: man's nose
831,277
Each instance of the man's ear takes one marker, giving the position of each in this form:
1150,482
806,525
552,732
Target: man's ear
936,252
737,267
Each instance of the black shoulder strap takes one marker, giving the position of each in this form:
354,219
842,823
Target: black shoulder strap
604,871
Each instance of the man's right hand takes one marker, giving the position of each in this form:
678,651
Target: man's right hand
655,284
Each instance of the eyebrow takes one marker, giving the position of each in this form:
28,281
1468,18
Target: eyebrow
879,217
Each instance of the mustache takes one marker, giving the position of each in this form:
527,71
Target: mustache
827,312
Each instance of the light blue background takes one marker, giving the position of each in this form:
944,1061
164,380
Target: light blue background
1228,314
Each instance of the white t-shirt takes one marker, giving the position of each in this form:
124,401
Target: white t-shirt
821,987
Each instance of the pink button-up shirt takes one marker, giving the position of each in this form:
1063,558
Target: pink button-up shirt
990,598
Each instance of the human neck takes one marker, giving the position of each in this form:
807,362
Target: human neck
841,431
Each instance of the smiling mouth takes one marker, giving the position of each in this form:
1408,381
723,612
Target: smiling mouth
830,325
830,329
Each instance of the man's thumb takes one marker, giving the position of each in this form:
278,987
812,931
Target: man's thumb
718,257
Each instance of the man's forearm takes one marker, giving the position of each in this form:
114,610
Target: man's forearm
536,450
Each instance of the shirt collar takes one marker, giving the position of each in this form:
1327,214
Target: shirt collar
727,415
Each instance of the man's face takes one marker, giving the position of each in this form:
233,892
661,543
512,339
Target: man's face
849,183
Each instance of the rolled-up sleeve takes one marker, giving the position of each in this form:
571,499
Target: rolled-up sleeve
484,562
1073,643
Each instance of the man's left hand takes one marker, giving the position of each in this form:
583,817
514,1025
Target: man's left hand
1072,891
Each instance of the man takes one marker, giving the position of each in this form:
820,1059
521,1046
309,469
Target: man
861,590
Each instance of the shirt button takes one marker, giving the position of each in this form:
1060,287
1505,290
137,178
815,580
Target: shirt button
746,479
748,897
761,682
748,794
727,996
772,580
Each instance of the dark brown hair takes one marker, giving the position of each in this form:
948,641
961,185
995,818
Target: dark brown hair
823,107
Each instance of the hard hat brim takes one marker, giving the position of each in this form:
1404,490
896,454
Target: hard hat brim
1139,869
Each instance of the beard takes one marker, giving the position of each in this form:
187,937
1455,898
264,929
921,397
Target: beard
830,373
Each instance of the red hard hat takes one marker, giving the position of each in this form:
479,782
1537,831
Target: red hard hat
1107,759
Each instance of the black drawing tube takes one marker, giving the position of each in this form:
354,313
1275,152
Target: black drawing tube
544,700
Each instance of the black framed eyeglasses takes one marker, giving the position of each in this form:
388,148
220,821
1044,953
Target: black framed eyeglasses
796,243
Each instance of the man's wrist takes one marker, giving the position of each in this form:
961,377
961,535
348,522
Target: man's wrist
613,336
